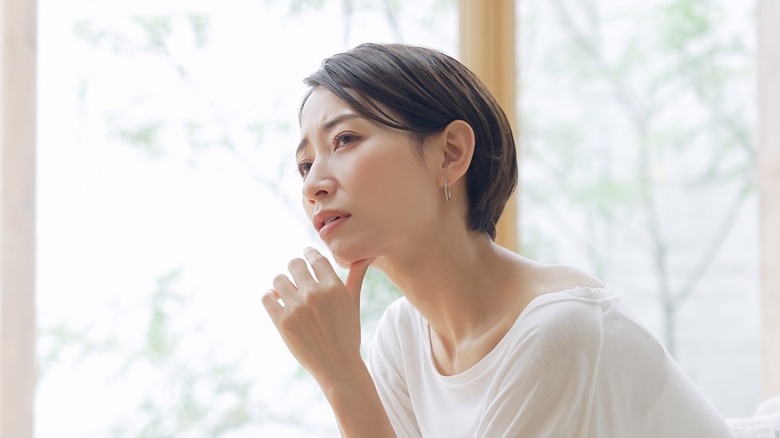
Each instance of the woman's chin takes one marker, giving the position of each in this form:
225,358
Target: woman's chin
345,258
343,264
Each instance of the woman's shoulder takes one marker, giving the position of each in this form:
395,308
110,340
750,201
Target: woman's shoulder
400,311
543,284
400,320
570,316
586,316
545,278
537,285
569,307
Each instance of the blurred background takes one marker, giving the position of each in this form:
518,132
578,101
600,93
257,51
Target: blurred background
168,199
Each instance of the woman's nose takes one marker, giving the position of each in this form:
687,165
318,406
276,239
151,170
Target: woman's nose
318,183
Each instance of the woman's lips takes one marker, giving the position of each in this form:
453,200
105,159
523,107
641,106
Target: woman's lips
331,224
325,221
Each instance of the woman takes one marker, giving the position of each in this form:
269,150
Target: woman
407,162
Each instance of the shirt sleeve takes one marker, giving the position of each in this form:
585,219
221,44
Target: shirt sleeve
592,371
546,386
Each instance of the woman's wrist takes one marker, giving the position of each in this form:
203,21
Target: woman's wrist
346,373
356,404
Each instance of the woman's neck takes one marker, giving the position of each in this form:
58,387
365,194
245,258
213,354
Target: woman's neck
463,283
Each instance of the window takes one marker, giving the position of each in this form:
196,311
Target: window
169,201
167,197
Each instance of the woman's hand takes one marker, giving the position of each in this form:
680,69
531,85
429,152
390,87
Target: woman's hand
319,319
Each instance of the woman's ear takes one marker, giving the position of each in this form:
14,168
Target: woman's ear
458,150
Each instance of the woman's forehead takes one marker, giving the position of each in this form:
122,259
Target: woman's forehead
322,104
322,111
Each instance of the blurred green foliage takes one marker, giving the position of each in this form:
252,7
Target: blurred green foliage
625,108
185,393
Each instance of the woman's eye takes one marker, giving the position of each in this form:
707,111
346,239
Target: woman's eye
344,139
304,168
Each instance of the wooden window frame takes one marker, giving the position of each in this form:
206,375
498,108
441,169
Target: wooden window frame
17,216
768,159
487,47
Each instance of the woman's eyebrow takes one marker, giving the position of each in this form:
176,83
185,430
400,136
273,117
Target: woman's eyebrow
327,126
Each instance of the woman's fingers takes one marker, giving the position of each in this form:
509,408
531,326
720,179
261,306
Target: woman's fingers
325,275
284,288
301,274
320,265
325,272
303,280
272,305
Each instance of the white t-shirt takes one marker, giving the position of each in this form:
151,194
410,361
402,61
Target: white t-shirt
575,364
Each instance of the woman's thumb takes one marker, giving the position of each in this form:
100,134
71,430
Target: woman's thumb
355,277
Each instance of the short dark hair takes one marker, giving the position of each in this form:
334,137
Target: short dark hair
422,90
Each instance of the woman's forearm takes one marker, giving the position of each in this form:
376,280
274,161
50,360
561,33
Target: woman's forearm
356,404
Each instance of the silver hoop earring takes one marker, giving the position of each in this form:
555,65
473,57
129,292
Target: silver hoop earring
447,191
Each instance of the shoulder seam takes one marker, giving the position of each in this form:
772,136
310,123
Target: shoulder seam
595,374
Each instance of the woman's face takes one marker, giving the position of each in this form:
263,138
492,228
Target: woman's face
365,186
